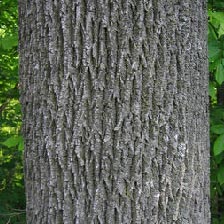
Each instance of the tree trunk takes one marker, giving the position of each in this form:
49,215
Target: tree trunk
115,111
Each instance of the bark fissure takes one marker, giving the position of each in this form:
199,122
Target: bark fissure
114,97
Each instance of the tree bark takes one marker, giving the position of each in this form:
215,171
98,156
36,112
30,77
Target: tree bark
115,111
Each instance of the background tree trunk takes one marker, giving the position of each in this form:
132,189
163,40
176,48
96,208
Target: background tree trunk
115,111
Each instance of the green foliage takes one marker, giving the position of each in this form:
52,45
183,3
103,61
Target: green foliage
8,42
218,145
12,199
14,141
216,92
217,129
216,5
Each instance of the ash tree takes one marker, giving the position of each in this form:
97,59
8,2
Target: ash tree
115,111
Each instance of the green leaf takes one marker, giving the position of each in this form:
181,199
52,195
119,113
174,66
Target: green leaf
9,41
218,129
217,15
220,175
216,115
21,145
212,36
219,145
219,74
214,50
216,3
13,141
218,18
212,91
218,159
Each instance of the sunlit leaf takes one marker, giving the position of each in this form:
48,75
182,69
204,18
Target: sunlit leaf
218,16
212,91
8,42
21,145
13,141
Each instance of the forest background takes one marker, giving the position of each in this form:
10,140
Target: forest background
12,195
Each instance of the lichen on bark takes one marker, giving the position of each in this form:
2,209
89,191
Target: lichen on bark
115,117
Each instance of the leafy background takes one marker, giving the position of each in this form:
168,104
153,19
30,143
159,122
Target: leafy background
12,196
216,93
12,199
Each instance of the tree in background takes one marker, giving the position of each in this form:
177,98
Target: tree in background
114,101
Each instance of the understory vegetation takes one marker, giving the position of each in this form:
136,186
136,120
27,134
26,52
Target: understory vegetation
216,93
12,198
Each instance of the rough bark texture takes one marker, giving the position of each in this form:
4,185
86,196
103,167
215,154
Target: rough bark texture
115,111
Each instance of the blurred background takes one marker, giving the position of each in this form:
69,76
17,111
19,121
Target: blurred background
12,197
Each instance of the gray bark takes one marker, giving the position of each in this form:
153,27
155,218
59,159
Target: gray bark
115,111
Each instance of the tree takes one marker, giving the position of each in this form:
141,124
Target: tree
115,111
